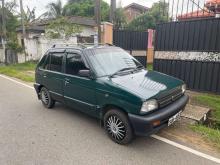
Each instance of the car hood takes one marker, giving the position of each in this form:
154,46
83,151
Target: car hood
147,84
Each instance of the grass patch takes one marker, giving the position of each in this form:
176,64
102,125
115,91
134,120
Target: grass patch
149,66
213,102
23,71
213,135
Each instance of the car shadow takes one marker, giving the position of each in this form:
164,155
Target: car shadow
89,121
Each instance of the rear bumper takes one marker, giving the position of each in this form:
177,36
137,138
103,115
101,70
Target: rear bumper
143,124
37,89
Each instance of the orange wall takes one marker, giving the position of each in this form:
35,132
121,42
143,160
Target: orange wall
107,33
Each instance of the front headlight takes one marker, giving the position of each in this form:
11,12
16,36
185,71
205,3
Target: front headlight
149,106
183,88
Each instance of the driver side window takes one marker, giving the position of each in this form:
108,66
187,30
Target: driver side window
74,63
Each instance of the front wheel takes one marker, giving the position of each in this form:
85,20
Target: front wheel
118,127
46,98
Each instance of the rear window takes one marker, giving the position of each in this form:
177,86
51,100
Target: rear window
56,60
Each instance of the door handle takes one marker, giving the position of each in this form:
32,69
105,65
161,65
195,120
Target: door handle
44,75
67,81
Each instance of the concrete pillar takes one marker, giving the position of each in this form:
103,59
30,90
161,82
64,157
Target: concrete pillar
107,33
150,48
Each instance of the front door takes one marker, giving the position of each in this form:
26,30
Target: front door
79,92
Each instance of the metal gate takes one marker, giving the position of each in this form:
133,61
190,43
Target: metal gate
132,41
187,46
11,57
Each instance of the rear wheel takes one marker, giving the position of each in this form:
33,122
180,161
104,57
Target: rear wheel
118,127
46,99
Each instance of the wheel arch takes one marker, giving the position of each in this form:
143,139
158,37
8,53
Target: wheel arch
108,107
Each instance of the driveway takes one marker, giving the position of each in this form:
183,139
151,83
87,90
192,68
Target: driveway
31,134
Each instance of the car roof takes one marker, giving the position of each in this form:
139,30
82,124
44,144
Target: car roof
76,47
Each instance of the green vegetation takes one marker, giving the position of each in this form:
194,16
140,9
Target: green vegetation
213,102
62,28
84,8
156,14
212,135
11,24
24,71
149,66
212,132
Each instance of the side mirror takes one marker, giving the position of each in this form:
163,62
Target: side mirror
84,73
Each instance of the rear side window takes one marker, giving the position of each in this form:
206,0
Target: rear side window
42,61
56,60
47,63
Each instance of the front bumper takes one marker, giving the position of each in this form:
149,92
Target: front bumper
143,126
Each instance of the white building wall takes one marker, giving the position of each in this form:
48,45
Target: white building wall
88,31
37,45
2,56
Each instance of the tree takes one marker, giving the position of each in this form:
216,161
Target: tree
85,8
120,19
55,9
62,28
157,14
11,24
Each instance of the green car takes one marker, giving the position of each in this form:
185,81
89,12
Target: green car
109,84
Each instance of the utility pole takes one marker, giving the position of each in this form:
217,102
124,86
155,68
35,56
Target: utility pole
112,11
23,28
98,18
3,26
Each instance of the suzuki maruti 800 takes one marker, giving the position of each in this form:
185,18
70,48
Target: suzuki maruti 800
112,86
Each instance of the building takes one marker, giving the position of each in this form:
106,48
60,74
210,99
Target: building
134,10
211,10
36,43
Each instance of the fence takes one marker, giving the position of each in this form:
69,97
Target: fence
195,35
198,75
132,40
190,50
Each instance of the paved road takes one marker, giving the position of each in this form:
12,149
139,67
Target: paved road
31,134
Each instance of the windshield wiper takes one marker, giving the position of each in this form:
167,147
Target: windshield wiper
121,70
140,67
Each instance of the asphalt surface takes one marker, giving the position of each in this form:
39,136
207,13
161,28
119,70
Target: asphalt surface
33,135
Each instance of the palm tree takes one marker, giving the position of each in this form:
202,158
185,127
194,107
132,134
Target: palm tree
55,9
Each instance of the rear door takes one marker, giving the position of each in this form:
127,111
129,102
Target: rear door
79,92
53,74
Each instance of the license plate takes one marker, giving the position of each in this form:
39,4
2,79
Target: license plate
174,118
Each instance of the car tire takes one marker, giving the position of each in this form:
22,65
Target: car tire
118,127
46,98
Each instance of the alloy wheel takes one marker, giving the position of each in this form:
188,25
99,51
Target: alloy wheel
116,128
44,97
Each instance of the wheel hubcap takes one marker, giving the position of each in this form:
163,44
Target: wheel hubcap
44,97
116,128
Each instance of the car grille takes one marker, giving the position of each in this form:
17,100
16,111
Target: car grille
172,96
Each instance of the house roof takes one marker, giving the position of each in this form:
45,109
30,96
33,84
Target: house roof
39,29
73,19
195,15
213,2
137,6
39,25
213,5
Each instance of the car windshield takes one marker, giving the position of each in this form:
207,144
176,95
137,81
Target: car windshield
110,61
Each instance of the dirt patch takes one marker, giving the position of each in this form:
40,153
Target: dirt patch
181,133
30,73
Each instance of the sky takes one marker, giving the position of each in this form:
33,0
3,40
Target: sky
41,4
